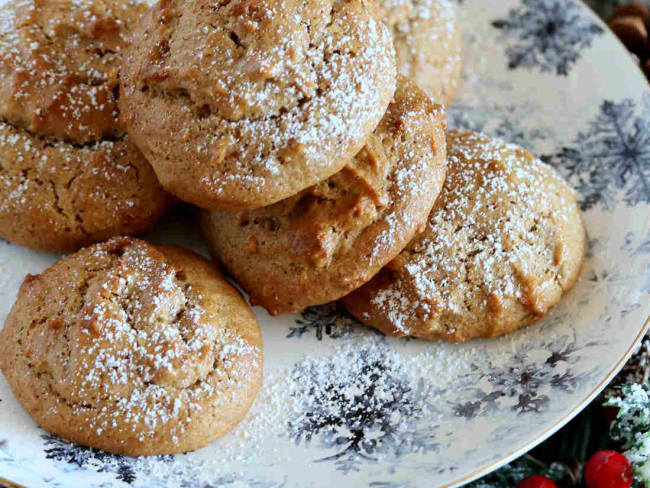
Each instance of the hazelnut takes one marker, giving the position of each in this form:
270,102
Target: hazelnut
631,31
633,9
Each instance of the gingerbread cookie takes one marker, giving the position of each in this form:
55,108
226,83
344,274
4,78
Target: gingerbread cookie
331,238
69,175
504,241
132,349
241,104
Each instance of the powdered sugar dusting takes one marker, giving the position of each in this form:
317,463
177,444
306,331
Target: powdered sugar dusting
362,390
483,235
426,34
59,63
57,180
145,357
343,230
68,176
309,94
403,13
347,111
407,180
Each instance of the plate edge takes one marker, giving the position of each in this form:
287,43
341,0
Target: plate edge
562,422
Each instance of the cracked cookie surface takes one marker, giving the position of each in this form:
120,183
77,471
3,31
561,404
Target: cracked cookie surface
132,349
271,98
331,238
68,174
504,241
59,62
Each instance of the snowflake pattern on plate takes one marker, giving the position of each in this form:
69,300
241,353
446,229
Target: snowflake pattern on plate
363,405
373,409
547,34
155,471
323,321
612,155
84,457
407,413
637,245
522,384
507,122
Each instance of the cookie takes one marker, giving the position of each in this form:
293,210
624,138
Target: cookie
59,61
428,43
59,197
267,99
504,241
68,174
331,238
132,349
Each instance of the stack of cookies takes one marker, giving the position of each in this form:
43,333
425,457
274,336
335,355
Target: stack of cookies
70,175
310,135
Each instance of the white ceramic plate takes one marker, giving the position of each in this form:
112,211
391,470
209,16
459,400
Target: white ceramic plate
344,406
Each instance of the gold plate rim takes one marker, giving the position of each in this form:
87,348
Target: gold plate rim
560,423
9,484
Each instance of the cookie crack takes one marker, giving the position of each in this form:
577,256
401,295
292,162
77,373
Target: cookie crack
204,111
81,224
136,170
62,71
57,204
236,40
51,141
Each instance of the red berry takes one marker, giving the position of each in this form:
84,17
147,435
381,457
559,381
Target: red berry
608,469
536,481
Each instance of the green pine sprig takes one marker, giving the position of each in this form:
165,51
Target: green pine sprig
631,428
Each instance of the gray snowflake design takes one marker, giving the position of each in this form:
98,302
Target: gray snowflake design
503,121
547,34
636,246
612,155
325,320
523,384
82,457
133,472
639,246
363,406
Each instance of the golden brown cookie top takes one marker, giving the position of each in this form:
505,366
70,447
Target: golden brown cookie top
59,197
334,236
402,14
58,65
137,344
253,101
324,222
428,43
504,240
252,59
